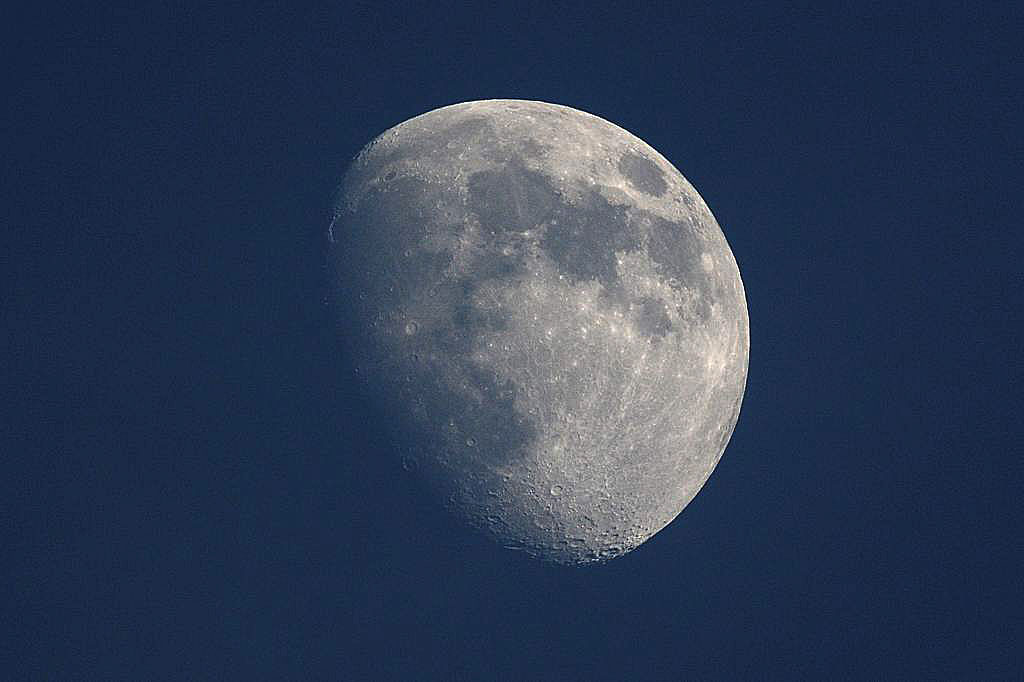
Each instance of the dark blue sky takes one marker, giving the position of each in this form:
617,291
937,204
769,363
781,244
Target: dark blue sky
194,491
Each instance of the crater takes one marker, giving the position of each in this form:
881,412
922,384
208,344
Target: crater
643,174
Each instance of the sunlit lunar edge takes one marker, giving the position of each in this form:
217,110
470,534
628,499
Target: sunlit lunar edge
597,372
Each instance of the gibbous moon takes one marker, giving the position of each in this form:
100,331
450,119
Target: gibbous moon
549,316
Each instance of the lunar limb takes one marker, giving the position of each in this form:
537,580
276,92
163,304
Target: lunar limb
551,317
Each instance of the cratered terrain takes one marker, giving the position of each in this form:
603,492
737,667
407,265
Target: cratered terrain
549,317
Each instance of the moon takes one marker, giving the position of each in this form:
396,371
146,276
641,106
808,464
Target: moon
549,317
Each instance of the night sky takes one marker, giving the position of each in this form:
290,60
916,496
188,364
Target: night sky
194,490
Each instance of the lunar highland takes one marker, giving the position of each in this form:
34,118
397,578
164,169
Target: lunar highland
550,317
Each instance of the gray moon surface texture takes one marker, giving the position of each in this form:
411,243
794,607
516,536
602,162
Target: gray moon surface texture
549,316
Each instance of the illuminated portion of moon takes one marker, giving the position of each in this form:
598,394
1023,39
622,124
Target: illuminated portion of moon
549,314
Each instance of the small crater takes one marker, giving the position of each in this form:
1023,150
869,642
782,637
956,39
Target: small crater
556,490
471,442
412,327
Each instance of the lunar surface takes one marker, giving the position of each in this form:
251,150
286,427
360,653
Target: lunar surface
548,315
